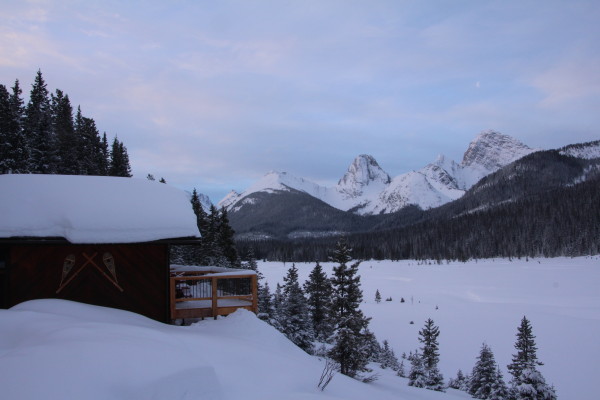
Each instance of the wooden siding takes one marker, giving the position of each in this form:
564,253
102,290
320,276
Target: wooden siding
139,284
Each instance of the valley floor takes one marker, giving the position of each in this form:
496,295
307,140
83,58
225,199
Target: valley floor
484,301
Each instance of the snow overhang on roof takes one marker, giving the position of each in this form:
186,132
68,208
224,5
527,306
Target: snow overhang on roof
93,209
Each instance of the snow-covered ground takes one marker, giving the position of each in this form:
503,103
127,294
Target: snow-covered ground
57,350
52,349
484,301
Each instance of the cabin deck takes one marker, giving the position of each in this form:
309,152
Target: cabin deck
199,292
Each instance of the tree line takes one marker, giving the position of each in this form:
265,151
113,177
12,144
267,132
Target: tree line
44,137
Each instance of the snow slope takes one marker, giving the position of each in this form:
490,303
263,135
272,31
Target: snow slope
57,350
484,301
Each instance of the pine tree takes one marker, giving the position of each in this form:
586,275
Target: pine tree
5,120
377,296
294,320
430,355
499,388
38,129
67,141
527,382
265,303
119,160
14,147
318,290
484,382
387,358
417,373
458,383
349,349
225,239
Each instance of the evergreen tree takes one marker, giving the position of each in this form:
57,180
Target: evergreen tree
104,156
527,382
349,349
14,147
38,129
417,373
68,145
430,355
499,388
484,383
318,290
265,303
387,358
458,383
293,318
225,239
119,160
377,296
5,120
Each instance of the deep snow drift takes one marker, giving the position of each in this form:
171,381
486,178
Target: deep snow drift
57,350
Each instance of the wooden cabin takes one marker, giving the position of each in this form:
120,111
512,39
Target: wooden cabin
102,241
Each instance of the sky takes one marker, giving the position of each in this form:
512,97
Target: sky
214,94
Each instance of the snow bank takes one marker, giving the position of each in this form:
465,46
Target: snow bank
55,349
93,209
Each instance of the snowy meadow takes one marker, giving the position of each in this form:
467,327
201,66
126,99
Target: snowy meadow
484,301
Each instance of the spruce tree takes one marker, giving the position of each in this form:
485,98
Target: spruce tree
417,373
119,159
387,358
318,290
67,141
484,382
225,239
377,296
19,146
430,355
350,348
294,320
265,303
38,129
5,147
527,382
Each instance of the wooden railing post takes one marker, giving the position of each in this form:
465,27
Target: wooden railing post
214,296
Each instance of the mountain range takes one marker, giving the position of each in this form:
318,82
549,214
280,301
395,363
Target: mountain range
366,189
366,198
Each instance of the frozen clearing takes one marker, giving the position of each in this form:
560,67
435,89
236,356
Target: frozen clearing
484,301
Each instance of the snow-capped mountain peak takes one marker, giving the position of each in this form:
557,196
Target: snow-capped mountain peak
493,150
364,171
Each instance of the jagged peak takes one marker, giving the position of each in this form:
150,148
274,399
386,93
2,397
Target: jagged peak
363,170
492,150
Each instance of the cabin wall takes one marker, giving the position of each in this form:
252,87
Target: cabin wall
132,277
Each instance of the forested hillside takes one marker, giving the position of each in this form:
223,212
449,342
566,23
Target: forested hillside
545,204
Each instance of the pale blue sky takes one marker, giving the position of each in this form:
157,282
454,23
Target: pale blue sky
214,94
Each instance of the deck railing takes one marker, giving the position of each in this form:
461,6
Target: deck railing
201,294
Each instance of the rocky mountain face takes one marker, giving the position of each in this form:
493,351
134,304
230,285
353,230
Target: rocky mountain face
366,189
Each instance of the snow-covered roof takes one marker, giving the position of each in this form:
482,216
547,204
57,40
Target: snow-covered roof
93,209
